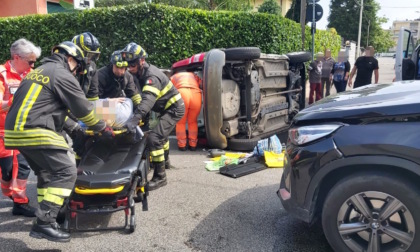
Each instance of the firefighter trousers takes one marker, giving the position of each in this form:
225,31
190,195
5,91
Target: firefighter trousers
192,100
56,174
158,137
14,176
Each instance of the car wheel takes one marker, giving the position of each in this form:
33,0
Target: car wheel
299,57
372,212
242,53
239,144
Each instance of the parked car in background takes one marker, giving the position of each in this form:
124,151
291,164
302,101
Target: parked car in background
353,161
247,95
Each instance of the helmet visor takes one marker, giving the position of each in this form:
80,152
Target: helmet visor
92,56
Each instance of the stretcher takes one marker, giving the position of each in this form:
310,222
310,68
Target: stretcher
112,176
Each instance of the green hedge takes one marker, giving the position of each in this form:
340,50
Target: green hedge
167,33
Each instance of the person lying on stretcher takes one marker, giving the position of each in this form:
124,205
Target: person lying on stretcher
119,99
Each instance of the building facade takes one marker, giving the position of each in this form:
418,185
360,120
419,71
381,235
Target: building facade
11,8
412,25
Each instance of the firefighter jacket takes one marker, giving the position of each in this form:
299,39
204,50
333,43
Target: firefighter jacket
40,106
111,86
158,92
89,82
9,82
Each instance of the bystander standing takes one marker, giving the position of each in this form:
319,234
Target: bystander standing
340,72
327,65
365,66
315,72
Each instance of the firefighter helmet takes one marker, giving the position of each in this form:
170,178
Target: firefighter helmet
89,44
70,49
133,52
118,60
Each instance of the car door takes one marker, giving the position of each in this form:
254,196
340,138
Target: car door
406,59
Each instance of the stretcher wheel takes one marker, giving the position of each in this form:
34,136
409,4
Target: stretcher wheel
132,224
139,197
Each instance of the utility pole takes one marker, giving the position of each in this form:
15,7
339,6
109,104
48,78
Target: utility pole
360,30
367,40
313,28
302,21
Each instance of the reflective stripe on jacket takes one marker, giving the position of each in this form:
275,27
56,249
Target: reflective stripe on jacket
158,92
40,106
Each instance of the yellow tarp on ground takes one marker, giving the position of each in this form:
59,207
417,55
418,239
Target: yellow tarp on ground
274,160
230,155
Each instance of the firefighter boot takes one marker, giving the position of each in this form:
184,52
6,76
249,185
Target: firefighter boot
46,227
23,209
167,161
159,176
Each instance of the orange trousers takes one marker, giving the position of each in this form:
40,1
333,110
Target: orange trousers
192,100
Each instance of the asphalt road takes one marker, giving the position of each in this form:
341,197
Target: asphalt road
197,211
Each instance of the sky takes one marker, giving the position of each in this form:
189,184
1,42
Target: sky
391,9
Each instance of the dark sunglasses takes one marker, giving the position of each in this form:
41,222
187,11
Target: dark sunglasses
30,62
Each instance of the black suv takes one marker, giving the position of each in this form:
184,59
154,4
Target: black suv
353,160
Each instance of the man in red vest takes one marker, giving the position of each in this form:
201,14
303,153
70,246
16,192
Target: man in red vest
14,168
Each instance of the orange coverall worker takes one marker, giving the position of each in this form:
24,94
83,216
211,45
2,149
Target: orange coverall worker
14,174
187,84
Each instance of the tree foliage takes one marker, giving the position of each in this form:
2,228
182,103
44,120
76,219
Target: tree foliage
234,5
270,7
344,17
294,12
167,33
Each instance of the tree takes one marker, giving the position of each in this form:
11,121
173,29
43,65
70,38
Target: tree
270,6
344,17
294,12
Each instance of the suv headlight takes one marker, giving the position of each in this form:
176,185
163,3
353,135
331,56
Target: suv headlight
306,134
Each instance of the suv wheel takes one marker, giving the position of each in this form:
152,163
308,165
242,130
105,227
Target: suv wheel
242,53
299,57
239,144
372,212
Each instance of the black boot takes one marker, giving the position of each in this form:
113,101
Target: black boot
23,209
48,230
159,176
167,161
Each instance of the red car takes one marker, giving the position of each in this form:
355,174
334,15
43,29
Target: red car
248,95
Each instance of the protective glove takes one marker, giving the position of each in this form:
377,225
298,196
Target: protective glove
78,137
108,132
133,123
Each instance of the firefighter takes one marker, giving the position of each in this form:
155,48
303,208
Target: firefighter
14,175
88,80
115,81
159,95
33,124
187,84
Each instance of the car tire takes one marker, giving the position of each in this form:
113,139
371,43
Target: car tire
242,53
299,57
238,144
347,229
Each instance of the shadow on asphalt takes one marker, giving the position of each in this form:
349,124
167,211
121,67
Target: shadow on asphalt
260,224
18,245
